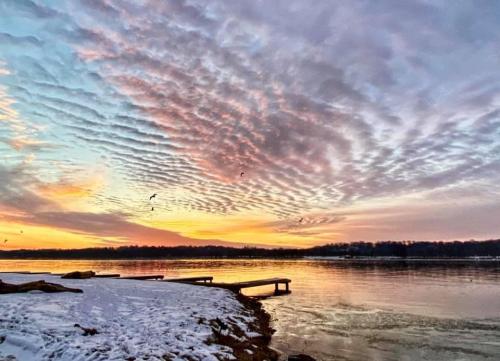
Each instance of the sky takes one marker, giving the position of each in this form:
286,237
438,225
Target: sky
351,120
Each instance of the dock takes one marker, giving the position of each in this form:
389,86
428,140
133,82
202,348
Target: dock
149,277
203,279
238,286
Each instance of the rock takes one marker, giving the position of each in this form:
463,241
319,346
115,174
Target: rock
300,357
79,275
35,286
8,358
87,331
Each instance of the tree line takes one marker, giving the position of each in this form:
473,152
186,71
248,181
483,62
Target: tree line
405,249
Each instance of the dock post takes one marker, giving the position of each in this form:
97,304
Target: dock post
287,291
276,290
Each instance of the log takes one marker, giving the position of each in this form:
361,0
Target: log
35,286
79,275
87,331
300,357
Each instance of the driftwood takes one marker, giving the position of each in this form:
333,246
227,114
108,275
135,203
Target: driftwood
79,275
300,357
87,331
35,286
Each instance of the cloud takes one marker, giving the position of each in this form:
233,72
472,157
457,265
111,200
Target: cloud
28,8
65,189
23,143
293,128
324,107
21,205
310,225
112,225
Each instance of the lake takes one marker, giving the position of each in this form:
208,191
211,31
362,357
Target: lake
352,310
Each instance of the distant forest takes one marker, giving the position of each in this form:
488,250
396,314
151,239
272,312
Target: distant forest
490,248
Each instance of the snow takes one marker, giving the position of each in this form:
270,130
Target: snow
145,320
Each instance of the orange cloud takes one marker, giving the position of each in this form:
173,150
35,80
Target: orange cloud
15,235
66,189
26,143
63,190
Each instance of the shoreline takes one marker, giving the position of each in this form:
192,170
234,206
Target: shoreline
133,322
262,326
246,258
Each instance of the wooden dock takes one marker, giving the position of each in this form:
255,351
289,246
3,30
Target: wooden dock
149,277
238,286
203,279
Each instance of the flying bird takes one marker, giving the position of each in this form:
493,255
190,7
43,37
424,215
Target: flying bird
152,208
241,174
22,231
300,220
5,240
153,196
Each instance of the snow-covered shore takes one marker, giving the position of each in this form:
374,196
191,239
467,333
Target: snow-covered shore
135,320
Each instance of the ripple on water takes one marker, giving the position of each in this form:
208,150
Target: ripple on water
353,332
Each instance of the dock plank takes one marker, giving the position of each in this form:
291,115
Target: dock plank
111,275
263,282
190,279
148,277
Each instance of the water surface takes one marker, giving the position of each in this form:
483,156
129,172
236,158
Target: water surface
353,310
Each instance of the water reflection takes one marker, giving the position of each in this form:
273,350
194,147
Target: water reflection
353,310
